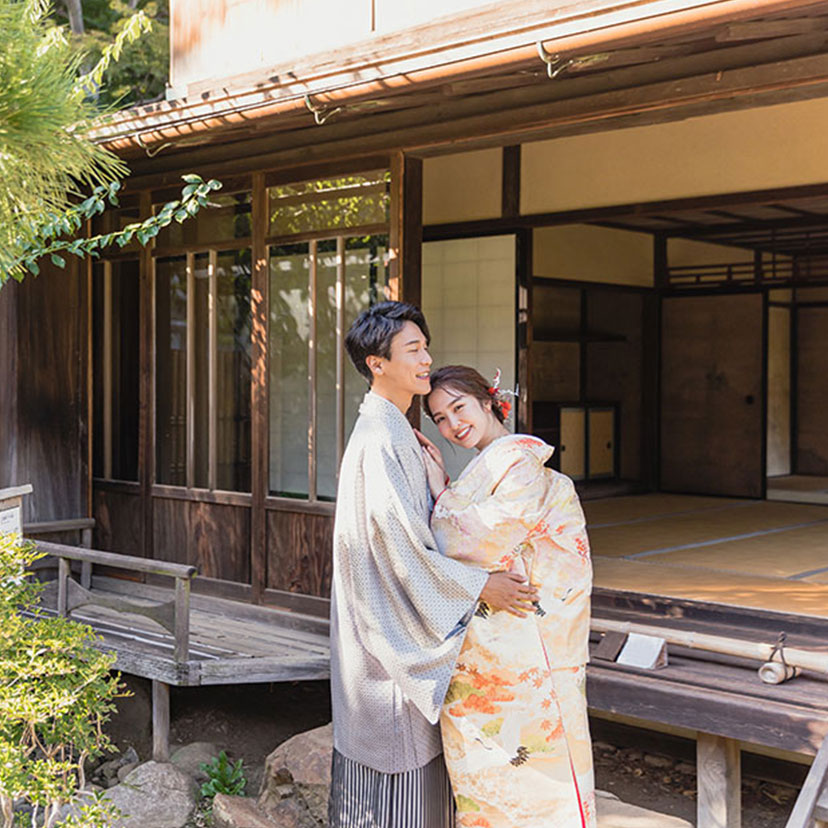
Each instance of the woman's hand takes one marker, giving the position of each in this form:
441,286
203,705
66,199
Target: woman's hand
431,449
510,592
435,474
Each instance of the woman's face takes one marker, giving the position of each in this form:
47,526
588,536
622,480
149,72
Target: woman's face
462,418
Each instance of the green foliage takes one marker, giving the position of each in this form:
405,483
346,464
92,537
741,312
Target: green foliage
225,777
56,693
52,233
46,157
142,64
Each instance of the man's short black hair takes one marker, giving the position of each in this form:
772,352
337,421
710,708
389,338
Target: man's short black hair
373,330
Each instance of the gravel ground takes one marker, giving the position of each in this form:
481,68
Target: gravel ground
249,721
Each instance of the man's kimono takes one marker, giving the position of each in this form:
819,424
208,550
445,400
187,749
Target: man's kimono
398,615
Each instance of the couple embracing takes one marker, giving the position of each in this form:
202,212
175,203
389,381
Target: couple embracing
460,609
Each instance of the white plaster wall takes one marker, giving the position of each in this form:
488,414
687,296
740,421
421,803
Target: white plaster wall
469,303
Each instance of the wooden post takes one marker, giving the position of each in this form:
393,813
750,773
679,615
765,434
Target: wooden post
86,574
259,438
63,585
718,769
182,619
160,721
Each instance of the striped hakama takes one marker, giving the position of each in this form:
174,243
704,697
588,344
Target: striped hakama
362,797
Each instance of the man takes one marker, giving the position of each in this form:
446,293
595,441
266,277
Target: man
399,608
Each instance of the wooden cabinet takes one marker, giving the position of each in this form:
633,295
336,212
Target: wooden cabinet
584,436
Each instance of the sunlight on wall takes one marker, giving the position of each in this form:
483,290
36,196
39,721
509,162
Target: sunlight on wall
469,303
462,187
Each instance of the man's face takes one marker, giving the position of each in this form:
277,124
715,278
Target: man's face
407,370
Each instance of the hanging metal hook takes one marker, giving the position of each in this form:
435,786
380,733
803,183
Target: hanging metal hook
320,113
555,64
151,153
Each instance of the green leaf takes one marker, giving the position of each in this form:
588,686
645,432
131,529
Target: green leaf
58,261
192,178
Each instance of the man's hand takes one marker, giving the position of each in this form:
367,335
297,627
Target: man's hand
510,592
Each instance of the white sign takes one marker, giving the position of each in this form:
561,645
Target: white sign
645,651
10,521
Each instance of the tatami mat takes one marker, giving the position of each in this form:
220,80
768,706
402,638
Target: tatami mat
701,584
764,554
792,553
658,536
631,508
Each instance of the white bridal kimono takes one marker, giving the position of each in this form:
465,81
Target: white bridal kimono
398,615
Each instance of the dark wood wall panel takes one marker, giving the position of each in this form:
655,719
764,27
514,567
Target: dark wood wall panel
8,386
213,537
299,552
614,368
171,530
220,541
812,391
51,422
712,435
118,521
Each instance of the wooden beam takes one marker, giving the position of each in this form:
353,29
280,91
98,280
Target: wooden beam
259,298
455,119
146,391
759,29
160,721
405,232
811,802
719,775
510,191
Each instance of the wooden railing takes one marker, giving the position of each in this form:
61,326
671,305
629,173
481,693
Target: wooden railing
173,616
811,807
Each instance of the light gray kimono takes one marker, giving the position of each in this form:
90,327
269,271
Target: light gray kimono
398,608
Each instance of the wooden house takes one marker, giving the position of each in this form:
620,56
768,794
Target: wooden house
624,206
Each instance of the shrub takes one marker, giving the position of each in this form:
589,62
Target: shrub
56,693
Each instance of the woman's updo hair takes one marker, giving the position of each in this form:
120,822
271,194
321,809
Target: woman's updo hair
465,380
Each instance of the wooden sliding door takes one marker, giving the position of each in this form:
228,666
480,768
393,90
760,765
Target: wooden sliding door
712,395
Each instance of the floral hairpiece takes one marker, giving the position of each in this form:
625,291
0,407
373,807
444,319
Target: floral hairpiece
499,395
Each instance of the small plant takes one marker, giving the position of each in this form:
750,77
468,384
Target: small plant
56,693
225,777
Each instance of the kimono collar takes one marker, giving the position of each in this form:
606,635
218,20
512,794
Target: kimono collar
373,405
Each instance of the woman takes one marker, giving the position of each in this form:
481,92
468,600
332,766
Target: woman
514,721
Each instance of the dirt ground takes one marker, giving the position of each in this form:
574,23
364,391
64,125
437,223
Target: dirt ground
249,721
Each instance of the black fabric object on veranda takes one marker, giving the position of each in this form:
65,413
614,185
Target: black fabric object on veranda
362,797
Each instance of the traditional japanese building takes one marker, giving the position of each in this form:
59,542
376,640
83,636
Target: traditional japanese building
623,206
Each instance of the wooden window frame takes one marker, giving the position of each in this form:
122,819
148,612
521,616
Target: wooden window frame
313,238
190,253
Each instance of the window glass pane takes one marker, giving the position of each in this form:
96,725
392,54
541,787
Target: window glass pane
97,370
228,219
171,371
124,383
233,371
201,360
326,460
289,335
366,277
330,203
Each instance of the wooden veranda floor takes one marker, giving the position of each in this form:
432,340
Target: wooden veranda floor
230,642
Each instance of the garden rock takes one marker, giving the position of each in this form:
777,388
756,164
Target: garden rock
154,795
305,762
190,757
239,812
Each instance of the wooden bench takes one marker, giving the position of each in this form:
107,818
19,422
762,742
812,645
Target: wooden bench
201,640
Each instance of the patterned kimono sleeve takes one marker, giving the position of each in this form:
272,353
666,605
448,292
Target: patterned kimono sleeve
408,597
488,532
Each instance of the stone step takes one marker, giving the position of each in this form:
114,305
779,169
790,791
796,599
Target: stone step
613,813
